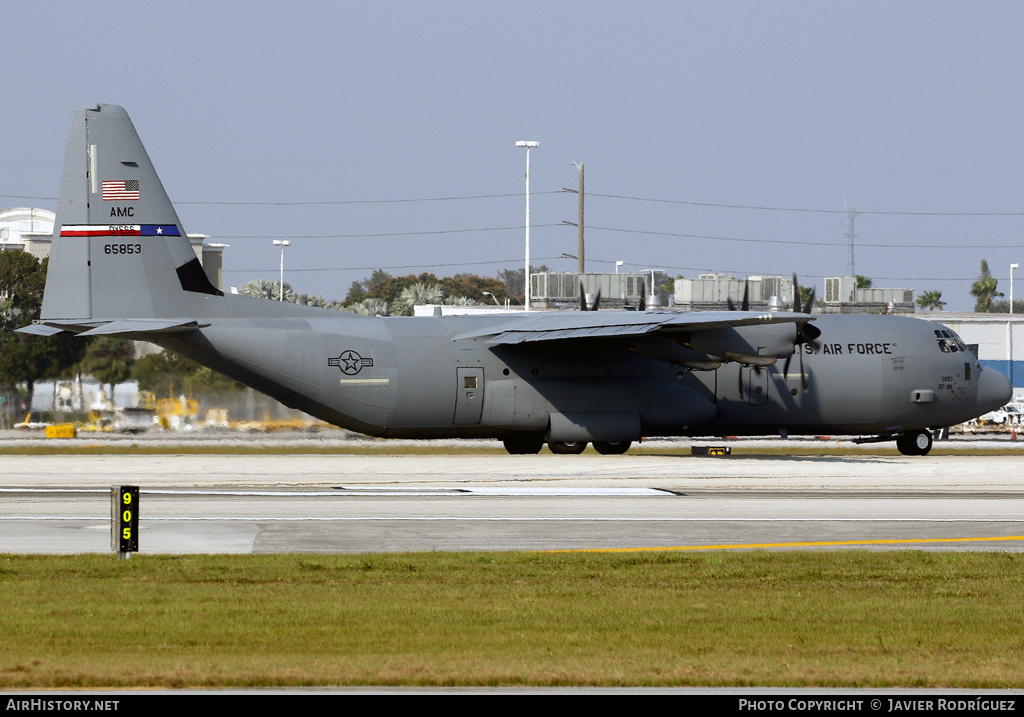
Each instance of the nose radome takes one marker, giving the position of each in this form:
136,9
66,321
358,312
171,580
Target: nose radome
994,390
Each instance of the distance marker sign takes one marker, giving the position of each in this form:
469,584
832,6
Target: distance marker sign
124,519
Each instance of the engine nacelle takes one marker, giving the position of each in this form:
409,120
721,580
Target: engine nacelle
752,345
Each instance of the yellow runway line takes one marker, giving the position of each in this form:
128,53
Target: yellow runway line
829,543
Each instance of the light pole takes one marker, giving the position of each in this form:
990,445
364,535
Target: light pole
487,293
617,265
281,243
1012,267
529,144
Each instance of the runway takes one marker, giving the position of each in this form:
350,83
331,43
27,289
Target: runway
354,504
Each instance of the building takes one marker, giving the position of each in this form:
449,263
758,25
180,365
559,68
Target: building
713,292
27,229
843,297
31,230
561,290
710,292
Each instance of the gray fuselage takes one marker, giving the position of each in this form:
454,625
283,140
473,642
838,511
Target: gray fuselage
408,377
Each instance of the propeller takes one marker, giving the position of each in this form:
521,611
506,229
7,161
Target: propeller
806,333
643,295
745,305
583,299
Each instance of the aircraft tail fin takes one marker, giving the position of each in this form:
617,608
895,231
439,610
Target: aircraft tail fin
119,250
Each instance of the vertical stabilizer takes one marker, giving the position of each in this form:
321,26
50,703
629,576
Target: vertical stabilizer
119,250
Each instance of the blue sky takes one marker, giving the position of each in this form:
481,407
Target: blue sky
717,136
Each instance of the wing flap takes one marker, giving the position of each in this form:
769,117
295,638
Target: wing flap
565,325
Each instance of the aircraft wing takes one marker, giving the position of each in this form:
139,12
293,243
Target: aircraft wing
561,325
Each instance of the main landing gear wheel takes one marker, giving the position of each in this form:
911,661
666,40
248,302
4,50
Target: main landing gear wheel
914,443
612,448
567,447
524,445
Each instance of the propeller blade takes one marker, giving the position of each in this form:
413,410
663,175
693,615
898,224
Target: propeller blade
729,305
643,303
796,295
785,366
803,376
583,298
739,379
810,301
597,301
745,306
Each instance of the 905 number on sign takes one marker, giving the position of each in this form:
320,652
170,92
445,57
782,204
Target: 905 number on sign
125,519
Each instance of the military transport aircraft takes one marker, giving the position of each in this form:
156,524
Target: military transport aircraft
121,264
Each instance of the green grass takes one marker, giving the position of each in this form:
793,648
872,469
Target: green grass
839,618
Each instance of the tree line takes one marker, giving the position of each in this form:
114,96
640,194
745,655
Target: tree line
382,294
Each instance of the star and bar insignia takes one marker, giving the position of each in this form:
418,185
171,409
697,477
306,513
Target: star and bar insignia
350,362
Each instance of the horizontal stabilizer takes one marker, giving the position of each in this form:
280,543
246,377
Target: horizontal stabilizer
144,326
40,330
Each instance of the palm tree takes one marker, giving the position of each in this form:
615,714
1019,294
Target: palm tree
263,289
307,299
931,300
110,359
984,289
419,294
368,307
459,301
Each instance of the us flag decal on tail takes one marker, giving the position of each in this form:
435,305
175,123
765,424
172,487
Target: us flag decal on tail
121,190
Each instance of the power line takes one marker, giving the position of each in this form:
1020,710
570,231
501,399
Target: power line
806,243
805,210
403,266
367,201
752,207
375,236
323,203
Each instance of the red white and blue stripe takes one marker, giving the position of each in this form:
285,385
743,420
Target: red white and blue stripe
119,230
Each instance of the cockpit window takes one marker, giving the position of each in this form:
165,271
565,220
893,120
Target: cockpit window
949,342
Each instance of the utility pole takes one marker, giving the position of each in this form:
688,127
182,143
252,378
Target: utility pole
578,224
579,252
